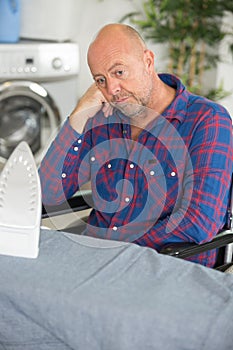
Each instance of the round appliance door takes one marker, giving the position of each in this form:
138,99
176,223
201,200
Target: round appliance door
27,113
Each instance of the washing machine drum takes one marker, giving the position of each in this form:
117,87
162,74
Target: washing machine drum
19,120
27,113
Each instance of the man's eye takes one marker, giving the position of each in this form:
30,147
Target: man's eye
119,73
100,81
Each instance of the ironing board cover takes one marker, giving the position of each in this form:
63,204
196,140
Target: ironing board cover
86,293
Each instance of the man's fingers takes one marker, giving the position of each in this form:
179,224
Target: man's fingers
107,109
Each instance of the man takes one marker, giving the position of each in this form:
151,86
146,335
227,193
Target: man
159,158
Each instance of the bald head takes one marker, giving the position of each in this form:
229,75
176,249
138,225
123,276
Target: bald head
119,35
114,29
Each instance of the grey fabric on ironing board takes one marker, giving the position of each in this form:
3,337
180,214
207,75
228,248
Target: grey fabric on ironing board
89,294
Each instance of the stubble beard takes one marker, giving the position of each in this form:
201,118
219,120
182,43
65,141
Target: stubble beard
137,109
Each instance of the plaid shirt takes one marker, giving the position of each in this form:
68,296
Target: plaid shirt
171,185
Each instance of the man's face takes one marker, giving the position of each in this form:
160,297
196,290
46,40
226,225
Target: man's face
123,77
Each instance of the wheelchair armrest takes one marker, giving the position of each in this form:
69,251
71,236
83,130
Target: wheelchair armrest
75,203
185,250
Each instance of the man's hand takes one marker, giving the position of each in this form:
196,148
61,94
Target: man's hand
90,103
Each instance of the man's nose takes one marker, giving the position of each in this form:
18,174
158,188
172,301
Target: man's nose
113,86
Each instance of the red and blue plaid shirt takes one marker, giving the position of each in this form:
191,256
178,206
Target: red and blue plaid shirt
171,185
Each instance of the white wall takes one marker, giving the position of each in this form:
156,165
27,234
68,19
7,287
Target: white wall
224,74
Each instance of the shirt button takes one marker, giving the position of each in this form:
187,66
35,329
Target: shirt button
173,173
127,199
75,148
92,159
152,172
79,141
109,166
131,166
114,228
63,175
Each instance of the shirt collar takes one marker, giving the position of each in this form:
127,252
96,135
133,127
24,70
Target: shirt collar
177,109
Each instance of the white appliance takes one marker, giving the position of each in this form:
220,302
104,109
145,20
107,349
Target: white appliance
38,90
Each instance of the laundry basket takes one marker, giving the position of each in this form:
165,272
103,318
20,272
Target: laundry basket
9,21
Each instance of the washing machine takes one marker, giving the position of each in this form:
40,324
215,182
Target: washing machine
38,90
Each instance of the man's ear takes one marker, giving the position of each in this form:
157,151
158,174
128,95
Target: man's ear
149,59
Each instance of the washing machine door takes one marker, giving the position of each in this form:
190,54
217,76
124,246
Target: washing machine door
27,113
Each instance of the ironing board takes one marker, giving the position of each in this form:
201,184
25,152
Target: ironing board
92,294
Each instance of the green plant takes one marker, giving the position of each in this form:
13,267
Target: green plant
192,30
